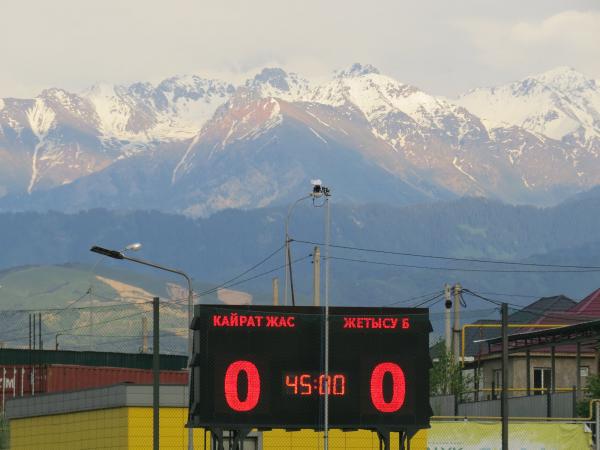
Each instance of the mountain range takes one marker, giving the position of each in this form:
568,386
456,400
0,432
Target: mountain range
197,146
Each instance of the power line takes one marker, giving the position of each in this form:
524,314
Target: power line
262,274
54,311
418,297
540,314
428,300
446,258
459,269
261,262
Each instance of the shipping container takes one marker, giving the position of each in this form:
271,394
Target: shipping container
26,380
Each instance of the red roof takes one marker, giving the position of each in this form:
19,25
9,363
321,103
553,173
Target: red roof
584,311
589,306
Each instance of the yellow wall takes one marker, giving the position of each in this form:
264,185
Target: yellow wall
131,428
95,429
338,440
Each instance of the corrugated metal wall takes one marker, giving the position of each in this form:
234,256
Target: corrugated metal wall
561,405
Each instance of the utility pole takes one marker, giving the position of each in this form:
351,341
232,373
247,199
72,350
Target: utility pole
33,328
29,331
275,291
41,346
504,394
317,277
457,291
448,305
155,374
144,334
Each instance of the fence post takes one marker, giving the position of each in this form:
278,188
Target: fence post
548,403
455,404
597,425
574,402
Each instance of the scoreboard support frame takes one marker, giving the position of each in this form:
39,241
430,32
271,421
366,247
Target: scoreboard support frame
404,438
235,436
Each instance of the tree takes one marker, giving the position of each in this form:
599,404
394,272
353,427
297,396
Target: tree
446,376
592,392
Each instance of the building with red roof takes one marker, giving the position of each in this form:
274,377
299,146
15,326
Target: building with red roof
535,370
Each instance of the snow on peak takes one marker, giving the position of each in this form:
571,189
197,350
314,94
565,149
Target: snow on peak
277,83
357,70
558,103
565,79
378,95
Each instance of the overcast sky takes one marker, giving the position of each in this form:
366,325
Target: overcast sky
442,46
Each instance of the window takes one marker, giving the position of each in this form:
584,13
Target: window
542,380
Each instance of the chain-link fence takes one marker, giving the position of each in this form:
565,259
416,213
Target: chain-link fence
481,433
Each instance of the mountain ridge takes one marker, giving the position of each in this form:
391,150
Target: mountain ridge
57,144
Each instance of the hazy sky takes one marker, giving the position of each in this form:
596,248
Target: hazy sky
442,46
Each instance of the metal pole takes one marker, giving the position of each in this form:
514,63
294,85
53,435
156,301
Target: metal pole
289,267
457,290
29,331
41,346
155,375
119,255
597,425
288,262
33,328
327,259
144,334
190,350
578,364
528,365
317,277
448,305
553,368
3,388
504,395
275,291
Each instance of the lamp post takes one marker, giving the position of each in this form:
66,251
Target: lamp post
115,254
318,191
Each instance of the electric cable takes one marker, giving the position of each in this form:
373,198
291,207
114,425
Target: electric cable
458,269
447,258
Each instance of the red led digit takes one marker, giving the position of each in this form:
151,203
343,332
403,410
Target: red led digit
322,384
305,382
398,387
339,385
231,386
293,384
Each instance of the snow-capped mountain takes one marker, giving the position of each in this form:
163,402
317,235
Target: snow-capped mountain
561,104
194,145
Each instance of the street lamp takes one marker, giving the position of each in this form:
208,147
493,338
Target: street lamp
318,191
115,254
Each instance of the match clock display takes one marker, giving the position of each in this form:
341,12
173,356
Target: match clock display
263,367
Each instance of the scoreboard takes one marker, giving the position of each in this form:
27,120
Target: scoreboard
263,367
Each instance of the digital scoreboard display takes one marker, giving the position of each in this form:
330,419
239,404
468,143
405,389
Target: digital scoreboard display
264,367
